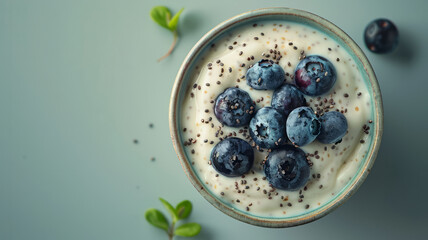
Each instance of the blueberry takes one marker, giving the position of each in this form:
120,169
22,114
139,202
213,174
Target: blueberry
381,36
232,157
234,107
315,75
267,128
286,168
303,126
333,127
265,75
286,98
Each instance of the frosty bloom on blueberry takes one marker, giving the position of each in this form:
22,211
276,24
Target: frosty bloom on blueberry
315,75
265,75
303,126
286,168
333,127
232,157
234,107
267,128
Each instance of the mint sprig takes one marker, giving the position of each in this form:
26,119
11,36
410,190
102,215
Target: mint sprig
181,211
162,16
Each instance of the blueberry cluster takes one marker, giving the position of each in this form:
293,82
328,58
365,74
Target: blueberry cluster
281,128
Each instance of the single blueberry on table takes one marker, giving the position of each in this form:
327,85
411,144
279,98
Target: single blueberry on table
286,98
333,127
303,126
232,157
267,128
381,36
265,75
315,75
286,168
234,107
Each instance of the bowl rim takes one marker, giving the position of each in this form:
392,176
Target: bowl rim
174,128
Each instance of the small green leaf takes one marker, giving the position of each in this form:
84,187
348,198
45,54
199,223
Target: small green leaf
170,209
183,209
188,230
156,218
172,25
161,15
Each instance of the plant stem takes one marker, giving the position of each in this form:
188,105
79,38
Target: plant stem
171,231
172,46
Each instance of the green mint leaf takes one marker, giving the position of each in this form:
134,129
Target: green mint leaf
161,15
170,209
188,230
172,25
156,218
183,209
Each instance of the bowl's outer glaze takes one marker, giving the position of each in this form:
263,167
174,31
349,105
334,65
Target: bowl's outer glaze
282,14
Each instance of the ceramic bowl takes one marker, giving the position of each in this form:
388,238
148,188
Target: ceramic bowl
182,82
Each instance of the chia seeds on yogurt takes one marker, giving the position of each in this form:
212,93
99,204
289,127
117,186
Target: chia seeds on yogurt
224,65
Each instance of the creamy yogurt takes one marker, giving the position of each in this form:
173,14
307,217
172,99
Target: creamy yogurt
224,65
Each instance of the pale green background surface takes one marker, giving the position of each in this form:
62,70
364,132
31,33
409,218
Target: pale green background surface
79,82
